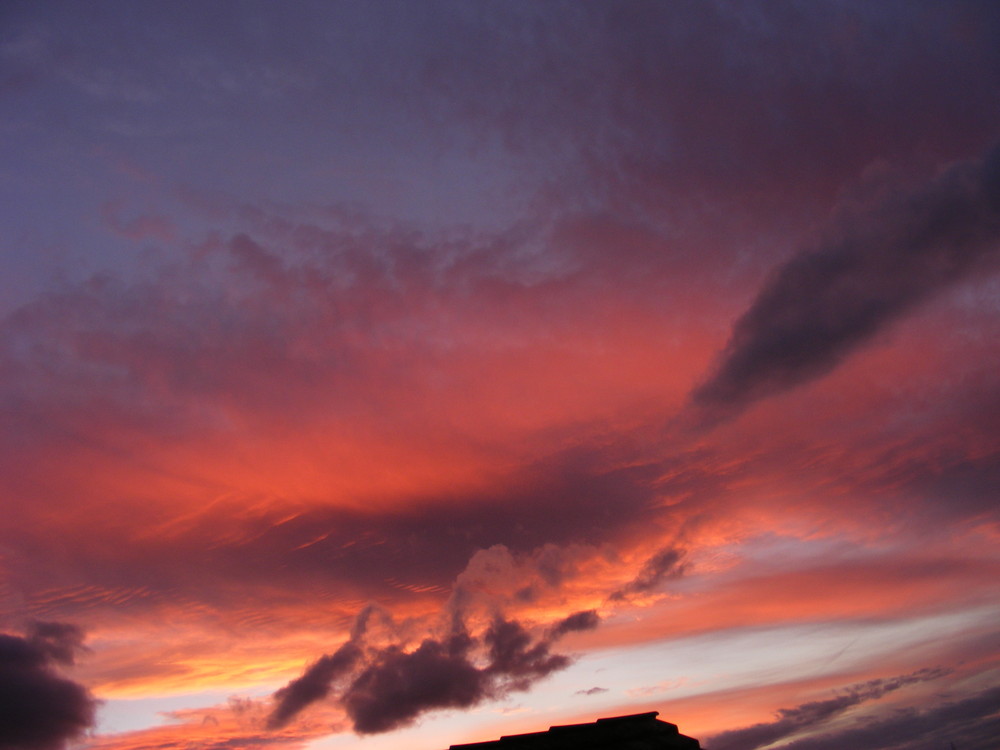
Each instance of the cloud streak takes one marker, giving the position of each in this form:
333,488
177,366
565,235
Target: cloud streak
969,723
873,265
662,566
815,713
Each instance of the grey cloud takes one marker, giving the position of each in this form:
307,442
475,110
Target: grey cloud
513,654
663,565
969,723
313,685
872,267
59,641
389,687
586,620
397,686
39,708
814,713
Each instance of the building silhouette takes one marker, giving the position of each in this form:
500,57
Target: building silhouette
635,732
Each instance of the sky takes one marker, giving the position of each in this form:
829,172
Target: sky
394,374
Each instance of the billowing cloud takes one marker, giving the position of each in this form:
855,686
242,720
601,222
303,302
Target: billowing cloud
873,265
390,686
513,654
397,685
39,708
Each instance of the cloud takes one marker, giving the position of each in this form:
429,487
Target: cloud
873,265
389,687
664,564
586,620
138,229
397,685
523,538
59,641
314,684
591,691
513,654
237,724
40,709
969,723
815,713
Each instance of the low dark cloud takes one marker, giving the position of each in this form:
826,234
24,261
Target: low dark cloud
397,685
314,684
389,687
663,565
814,713
59,641
586,620
967,724
873,265
591,691
39,708
514,655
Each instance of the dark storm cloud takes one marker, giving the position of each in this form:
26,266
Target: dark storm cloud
873,266
663,565
390,687
808,715
40,709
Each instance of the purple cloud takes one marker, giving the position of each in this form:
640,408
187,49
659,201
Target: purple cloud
39,708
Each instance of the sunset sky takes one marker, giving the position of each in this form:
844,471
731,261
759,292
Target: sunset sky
393,374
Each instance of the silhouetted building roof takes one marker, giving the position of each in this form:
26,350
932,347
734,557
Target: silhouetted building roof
636,732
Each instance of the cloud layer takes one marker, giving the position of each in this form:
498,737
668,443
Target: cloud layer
423,312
